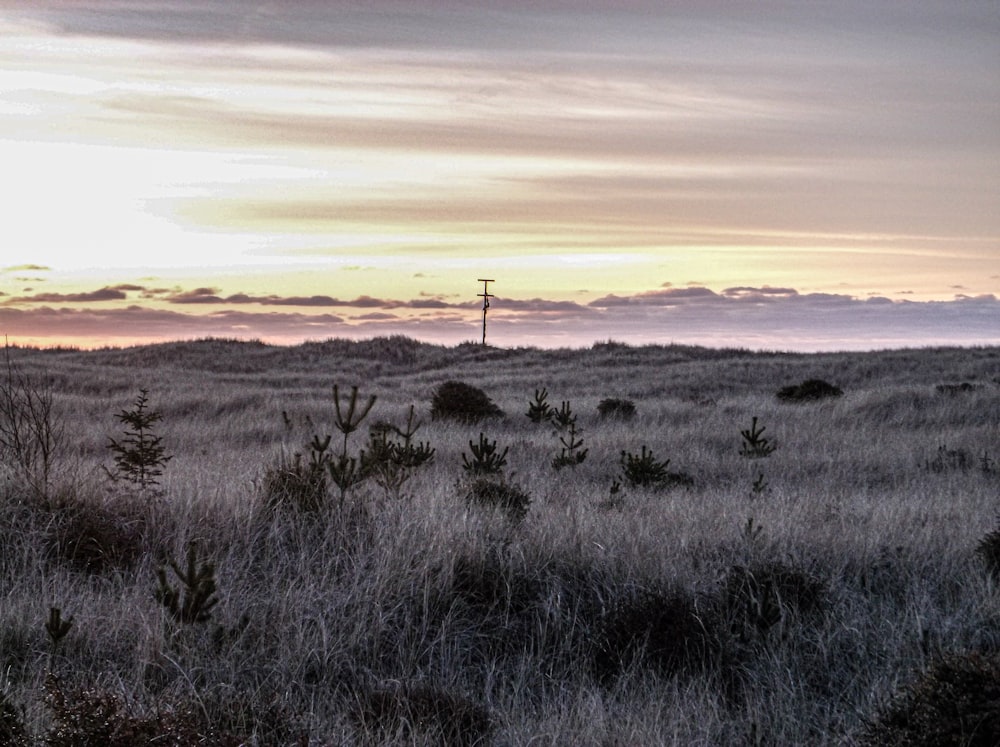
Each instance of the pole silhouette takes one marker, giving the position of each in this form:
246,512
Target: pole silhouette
486,296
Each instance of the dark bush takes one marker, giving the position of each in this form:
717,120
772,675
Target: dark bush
659,629
955,389
488,584
809,390
755,598
955,702
454,400
420,714
95,538
613,408
509,499
988,550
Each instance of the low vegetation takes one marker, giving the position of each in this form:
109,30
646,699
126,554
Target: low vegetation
343,543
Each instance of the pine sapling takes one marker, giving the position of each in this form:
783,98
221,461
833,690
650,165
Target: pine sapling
485,459
563,417
755,446
571,454
347,471
140,456
540,411
194,600
392,461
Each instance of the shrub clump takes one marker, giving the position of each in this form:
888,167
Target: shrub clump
497,494
465,403
656,628
94,538
646,471
488,584
955,390
809,390
617,409
988,551
755,598
955,702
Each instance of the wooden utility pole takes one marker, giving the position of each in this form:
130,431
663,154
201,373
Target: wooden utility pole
486,296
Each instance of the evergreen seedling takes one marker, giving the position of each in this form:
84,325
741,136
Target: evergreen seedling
571,454
140,456
391,462
755,446
349,422
485,459
564,417
540,411
194,600
644,470
347,471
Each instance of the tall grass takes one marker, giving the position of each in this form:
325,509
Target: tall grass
393,621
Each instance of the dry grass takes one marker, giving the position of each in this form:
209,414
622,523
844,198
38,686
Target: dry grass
430,620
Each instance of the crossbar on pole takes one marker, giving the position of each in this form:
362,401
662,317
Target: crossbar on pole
486,296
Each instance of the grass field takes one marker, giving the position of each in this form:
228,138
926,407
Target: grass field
835,591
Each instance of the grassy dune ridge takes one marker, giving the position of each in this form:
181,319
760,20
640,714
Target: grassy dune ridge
712,614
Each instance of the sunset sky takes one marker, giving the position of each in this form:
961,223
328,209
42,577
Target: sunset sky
798,175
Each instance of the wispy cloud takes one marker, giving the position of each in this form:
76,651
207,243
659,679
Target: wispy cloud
26,268
103,294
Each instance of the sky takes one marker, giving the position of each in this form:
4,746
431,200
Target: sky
789,175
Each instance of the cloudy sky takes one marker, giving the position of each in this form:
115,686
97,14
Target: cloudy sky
789,174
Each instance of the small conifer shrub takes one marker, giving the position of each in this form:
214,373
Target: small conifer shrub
454,400
140,456
393,455
614,408
572,452
755,446
809,390
346,471
646,471
486,460
539,411
194,600
564,417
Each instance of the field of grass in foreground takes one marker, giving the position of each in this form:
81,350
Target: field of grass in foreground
835,591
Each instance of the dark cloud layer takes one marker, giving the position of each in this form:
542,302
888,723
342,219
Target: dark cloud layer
754,317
